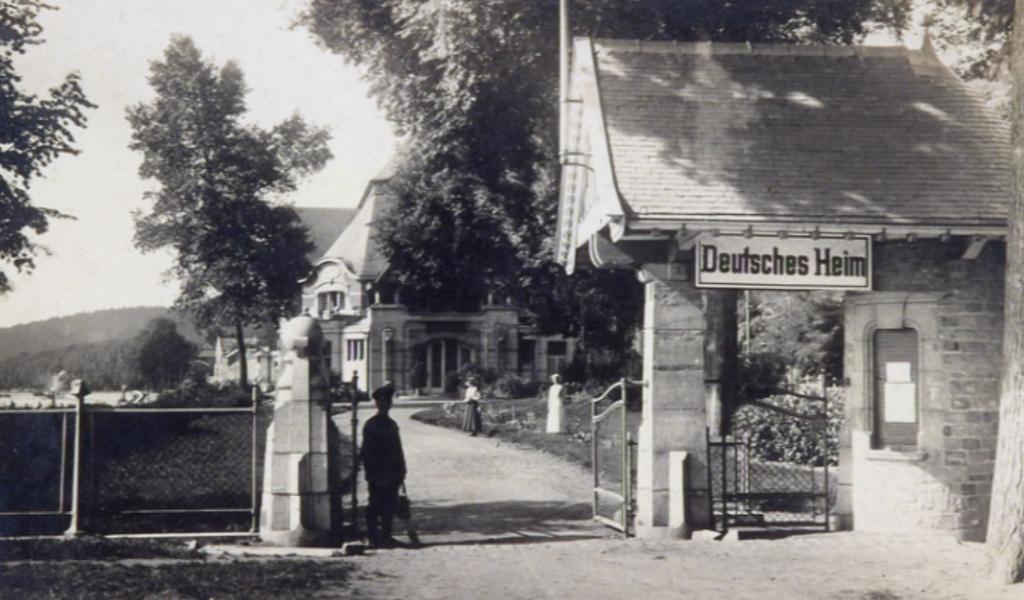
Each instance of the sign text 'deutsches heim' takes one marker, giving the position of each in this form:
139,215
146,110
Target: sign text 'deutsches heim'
775,263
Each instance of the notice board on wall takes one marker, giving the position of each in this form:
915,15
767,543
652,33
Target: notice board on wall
900,393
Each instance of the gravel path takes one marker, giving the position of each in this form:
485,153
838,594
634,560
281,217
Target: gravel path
467,490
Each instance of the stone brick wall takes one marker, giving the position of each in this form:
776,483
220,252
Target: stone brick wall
956,305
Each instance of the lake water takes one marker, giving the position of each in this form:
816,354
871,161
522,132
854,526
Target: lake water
29,400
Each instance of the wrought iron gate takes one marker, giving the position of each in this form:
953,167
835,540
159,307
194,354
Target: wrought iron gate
754,487
613,459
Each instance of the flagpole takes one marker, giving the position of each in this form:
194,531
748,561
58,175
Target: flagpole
563,75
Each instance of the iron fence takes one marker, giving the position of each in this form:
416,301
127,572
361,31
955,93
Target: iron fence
750,489
108,469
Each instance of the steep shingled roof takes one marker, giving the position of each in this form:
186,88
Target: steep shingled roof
775,133
355,246
324,225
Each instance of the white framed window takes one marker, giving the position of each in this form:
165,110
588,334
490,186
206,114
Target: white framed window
355,350
329,303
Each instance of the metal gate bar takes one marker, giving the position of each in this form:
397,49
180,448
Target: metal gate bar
623,496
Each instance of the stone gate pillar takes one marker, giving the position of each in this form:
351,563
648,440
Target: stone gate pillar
296,508
674,410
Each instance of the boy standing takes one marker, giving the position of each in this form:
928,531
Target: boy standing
384,465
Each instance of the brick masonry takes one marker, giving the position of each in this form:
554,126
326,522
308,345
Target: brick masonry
956,305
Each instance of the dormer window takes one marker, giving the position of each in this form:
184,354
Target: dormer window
329,303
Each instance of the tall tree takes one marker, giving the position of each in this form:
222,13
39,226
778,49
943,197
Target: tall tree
804,330
163,355
993,20
1006,515
238,256
34,131
473,84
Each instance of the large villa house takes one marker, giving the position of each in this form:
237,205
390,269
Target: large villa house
373,337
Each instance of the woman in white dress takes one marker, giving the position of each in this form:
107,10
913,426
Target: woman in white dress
556,405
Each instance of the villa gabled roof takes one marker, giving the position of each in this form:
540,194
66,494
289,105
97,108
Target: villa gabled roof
356,246
324,224
842,136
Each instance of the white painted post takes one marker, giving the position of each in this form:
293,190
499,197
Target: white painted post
79,390
677,493
296,508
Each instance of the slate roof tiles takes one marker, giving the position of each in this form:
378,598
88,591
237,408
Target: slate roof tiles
831,134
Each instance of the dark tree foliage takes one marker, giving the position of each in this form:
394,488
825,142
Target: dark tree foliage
474,86
34,131
163,355
239,258
104,365
802,331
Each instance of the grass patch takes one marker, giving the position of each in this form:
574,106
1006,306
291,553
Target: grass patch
250,579
93,567
92,548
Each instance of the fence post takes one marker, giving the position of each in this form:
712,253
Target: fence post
824,453
626,484
63,460
79,390
254,526
593,451
711,483
355,451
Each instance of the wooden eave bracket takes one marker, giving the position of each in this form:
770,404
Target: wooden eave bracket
685,239
976,246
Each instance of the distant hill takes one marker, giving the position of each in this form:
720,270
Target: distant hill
86,328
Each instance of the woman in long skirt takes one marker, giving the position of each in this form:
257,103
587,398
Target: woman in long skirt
556,405
471,420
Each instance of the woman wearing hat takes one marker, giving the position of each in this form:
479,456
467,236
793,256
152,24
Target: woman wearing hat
471,420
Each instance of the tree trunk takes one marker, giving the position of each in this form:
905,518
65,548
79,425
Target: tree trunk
243,367
1006,518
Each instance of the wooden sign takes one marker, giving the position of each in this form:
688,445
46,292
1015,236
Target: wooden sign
774,263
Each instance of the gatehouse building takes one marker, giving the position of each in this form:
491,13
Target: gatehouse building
709,168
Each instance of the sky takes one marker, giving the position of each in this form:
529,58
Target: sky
93,264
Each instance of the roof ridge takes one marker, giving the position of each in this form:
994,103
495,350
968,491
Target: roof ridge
772,49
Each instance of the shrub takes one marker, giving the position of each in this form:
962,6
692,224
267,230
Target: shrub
774,436
760,375
455,380
511,385
198,393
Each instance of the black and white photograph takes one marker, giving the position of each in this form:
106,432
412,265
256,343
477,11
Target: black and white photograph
511,299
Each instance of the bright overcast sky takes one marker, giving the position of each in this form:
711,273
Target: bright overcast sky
110,42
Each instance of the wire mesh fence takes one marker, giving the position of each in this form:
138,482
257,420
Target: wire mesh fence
750,487
31,467
138,469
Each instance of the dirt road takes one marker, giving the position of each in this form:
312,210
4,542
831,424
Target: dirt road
509,523
466,490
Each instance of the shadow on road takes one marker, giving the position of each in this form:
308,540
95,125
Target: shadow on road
503,523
